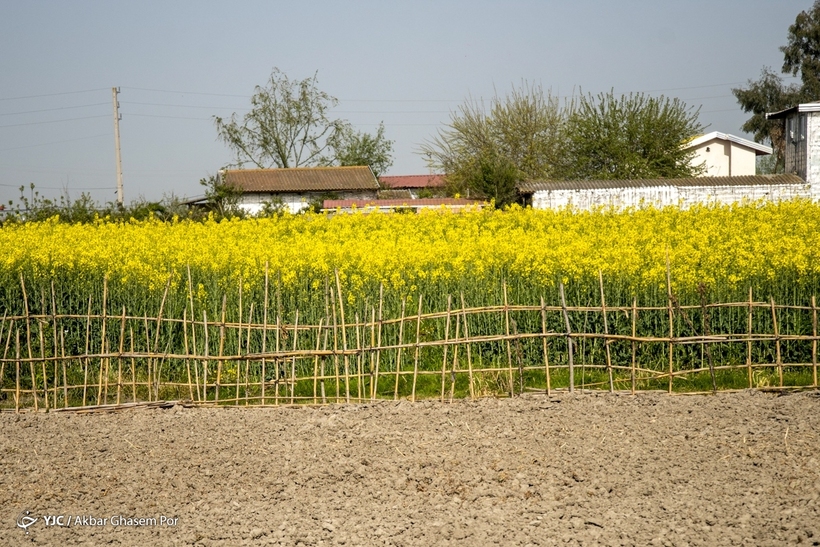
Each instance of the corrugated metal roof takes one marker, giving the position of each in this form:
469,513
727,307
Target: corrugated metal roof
752,180
813,106
412,181
302,179
426,202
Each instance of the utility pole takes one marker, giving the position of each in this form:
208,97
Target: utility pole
114,92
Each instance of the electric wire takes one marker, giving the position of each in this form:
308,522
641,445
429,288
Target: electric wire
56,121
55,142
52,109
52,94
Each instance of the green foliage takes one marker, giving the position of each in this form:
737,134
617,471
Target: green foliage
767,165
802,52
274,207
768,94
527,135
221,198
83,210
359,148
494,178
630,137
287,126
318,203
525,127
801,55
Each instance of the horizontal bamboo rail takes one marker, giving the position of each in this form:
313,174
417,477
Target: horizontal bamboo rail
255,356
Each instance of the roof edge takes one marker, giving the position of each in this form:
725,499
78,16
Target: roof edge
760,149
802,107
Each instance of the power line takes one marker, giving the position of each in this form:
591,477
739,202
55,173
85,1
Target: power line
169,117
26,187
184,92
51,94
247,109
182,105
55,142
50,109
54,121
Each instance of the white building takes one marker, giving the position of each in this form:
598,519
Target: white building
685,192
729,177
297,188
802,142
724,155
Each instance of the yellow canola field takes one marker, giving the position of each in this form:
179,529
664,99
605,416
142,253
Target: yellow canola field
720,246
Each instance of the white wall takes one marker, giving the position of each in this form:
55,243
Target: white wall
813,163
660,196
296,203
724,158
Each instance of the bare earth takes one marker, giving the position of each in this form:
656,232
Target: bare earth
583,469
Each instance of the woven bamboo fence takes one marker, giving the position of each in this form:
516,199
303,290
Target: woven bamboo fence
53,361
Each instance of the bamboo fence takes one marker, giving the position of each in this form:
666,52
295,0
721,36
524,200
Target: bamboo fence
54,361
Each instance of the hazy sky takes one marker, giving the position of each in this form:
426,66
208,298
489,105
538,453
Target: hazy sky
408,64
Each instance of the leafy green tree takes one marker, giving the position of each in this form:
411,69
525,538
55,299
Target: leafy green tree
359,148
801,55
633,136
494,177
802,52
525,127
768,94
287,126
221,197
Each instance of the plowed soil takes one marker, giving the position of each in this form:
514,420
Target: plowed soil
576,469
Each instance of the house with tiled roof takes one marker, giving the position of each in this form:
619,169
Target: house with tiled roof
299,188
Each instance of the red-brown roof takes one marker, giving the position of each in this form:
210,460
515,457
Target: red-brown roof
412,181
302,179
426,202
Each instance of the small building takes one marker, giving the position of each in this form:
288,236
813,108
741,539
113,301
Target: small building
412,186
298,188
394,205
802,142
724,155
683,192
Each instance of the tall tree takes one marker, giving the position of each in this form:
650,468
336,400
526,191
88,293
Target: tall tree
802,52
287,126
768,94
801,55
525,128
633,136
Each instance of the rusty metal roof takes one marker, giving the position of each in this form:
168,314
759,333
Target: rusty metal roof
751,180
302,179
412,181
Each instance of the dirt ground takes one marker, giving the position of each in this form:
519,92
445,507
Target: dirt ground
580,469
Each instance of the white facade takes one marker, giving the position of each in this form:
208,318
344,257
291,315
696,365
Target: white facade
802,142
661,196
253,203
724,155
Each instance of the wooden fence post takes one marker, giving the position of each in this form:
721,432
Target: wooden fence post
569,338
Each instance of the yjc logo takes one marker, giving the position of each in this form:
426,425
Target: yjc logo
24,520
